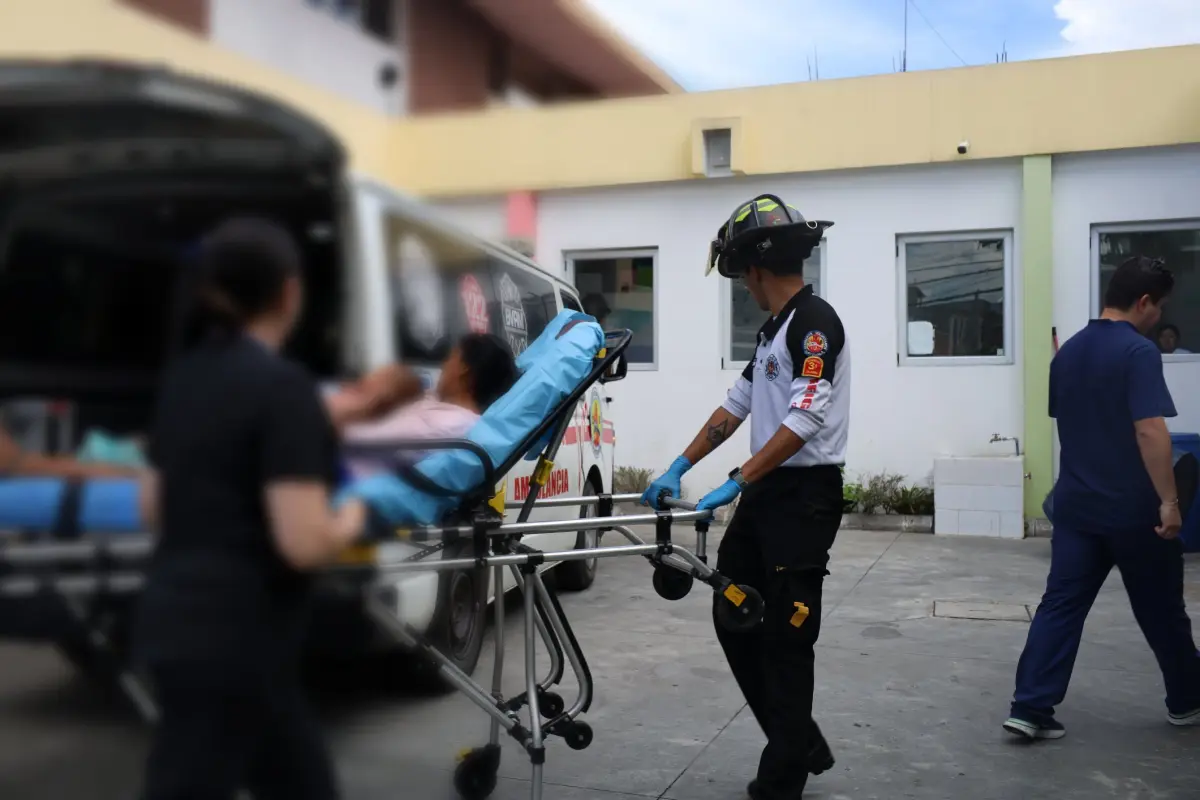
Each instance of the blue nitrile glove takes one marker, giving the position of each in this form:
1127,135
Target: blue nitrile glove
723,495
668,481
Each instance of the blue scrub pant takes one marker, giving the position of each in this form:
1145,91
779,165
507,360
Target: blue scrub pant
1152,570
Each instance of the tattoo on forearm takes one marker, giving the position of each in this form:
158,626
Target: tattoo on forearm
718,433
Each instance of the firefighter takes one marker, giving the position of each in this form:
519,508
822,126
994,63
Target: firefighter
796,392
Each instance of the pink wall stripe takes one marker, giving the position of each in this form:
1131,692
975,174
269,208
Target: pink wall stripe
522,215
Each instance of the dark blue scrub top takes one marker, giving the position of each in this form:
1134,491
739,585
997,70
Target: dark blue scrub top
1103,380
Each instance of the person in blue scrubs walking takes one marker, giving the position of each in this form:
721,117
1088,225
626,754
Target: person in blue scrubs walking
1115,503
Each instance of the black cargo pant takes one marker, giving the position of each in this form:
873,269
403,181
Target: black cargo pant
778,542
225,728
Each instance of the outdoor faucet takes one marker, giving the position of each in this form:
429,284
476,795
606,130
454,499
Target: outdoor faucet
998,438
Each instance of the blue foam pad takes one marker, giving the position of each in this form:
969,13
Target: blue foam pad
110,506
30,503
551,368
106,505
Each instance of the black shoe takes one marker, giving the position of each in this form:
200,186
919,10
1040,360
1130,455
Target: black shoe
1027,729
820,759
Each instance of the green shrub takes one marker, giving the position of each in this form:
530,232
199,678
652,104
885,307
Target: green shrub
914,501
631,480
851,495
878,493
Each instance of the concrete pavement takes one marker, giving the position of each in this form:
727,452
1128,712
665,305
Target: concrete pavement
912,688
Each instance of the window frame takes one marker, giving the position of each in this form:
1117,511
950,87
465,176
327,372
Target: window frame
728,362
1149,226
571,256
903,359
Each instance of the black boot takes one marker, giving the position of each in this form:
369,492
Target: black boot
820,758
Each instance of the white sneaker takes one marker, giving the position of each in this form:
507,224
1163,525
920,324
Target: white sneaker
1187,718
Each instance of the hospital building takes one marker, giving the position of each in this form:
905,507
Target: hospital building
977,210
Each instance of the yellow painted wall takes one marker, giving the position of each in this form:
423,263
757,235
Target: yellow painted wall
1111,101
1117,100
106,29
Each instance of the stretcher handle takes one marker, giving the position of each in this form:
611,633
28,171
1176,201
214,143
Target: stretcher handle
666,501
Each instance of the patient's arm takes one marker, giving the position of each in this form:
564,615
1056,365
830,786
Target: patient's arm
375,394
15,462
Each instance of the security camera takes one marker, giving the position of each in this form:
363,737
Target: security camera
963,147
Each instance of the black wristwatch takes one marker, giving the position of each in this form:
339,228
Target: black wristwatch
736,477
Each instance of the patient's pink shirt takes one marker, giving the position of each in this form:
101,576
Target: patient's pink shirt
427,418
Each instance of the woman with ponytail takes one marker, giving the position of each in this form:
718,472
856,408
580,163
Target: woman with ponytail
245,454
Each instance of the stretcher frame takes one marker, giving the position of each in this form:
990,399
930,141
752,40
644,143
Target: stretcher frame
107,566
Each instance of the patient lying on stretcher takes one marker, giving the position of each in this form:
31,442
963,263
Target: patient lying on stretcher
387,405
478,371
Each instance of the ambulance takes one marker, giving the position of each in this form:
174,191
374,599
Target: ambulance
111,173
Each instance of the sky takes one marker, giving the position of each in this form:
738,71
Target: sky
721,44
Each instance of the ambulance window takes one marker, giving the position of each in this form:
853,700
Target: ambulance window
441,288
524,304
569,301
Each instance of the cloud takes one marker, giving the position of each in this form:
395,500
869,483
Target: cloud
715,44
1098,26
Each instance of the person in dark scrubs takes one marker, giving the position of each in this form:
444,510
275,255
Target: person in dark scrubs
1115,503
245,458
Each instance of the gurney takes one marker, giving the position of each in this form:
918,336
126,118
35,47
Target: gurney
449,497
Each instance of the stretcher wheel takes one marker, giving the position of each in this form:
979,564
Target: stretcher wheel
578,735
671,584
475,775
550,704
739,608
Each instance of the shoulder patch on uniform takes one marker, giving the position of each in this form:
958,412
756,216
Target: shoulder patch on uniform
772,367
813,367
816,343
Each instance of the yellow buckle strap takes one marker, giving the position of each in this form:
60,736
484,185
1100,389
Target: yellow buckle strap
541,473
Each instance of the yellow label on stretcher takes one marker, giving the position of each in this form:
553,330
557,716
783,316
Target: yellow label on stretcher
497,502
403,534
800,615
734,595
603,352
358,554
541,473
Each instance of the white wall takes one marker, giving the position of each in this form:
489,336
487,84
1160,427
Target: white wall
486,217
1128,186
901,417
313,46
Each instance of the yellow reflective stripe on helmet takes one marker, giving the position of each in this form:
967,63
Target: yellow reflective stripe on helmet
763,205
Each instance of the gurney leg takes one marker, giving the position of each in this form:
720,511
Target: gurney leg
129,683
553,646
579,665
498,667
537,751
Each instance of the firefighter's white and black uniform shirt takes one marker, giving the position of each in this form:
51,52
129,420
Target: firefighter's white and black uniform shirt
800,377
